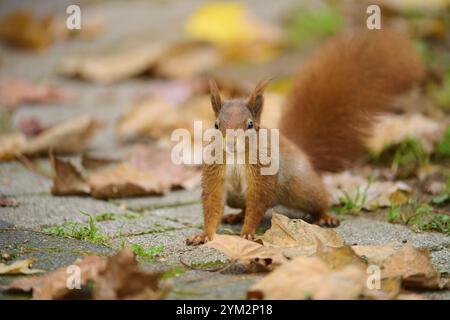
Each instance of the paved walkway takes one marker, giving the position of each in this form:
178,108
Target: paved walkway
162,222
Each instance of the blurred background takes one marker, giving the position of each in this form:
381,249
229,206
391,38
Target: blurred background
136,70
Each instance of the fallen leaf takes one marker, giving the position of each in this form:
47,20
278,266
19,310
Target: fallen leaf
187,60
18,92
122,279
8,202
366,195
147,170
376,254
31,127
231,27
11,144
296,237
435,188
54,284
309,278
66,178
19,267
414,267
115,66
247,252
21,28
66,137
117,277
392,129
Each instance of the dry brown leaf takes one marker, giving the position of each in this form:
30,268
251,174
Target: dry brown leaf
54,285
122,279
296,237
21,28
376,254
8,202
25,29
17,92
11,144
144,119
310,278
19,267
187,60
339,257
392,129
371,195
118,277
414,267
247,252
148,170
65,137
66,178
113,67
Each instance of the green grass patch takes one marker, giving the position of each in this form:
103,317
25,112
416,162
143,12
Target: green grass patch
353,204
106,216
441,93
85,232
408,156
420,217
443,147
309,24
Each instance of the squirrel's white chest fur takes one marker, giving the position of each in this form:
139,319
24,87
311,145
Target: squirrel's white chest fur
235,179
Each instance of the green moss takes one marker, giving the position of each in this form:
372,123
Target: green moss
209,265
173,273
151,252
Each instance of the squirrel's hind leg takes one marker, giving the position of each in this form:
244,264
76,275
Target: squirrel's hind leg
309,195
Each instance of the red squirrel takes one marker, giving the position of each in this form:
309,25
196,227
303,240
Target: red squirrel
335,98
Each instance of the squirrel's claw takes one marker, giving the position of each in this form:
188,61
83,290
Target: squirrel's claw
328,220
251,237
196,240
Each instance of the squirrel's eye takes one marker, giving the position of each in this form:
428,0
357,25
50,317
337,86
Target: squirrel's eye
216,125
250,125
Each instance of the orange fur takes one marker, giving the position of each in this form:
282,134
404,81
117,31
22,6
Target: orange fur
340,89
331,107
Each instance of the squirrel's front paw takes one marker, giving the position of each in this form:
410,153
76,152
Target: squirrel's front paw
328,220
248,236
197,239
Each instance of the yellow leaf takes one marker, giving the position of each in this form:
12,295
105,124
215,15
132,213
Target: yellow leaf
222,23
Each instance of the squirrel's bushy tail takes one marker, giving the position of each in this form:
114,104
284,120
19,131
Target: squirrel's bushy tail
337,93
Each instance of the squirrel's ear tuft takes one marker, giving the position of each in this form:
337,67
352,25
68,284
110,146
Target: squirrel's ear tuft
216,102
256,101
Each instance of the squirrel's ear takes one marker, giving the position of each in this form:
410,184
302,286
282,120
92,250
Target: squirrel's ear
256,101
216,102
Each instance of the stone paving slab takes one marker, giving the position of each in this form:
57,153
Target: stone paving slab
48,252
17,180
36,211
210,285
139,225
173,199
175,251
